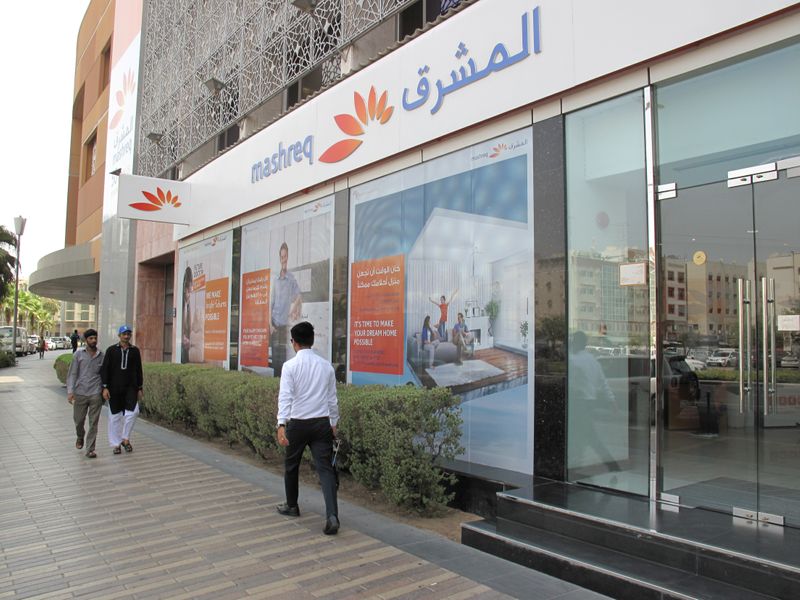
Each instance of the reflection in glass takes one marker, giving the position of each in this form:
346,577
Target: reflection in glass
712,123
608,311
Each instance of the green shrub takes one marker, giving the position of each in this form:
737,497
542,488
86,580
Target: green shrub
164,393
61,365
781,375
393,437
256,413
7,359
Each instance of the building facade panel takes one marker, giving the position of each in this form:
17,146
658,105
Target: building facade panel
534,211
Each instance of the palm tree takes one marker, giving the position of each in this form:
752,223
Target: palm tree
8,242
7,304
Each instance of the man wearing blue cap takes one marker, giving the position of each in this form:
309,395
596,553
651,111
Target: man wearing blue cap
122,378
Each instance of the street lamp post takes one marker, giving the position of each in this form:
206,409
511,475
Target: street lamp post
19,227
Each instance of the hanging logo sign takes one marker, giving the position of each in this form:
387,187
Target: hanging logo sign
151,199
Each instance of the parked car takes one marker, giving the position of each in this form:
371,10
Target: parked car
7,336
790,361
680,385
723,358
33,341
52,343
695,364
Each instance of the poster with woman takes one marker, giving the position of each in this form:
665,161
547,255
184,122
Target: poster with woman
286,278
204,310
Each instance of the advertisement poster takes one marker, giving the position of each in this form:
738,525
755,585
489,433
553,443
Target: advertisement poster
441,290
204,311
286,278
376,315
254,328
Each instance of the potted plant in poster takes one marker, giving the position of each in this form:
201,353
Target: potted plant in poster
523,331
492,309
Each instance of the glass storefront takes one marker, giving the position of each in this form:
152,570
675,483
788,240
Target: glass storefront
608,299
730,283
286,278
204,272
441,282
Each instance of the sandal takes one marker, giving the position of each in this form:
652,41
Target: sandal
127,445
91,454
117,450
79,443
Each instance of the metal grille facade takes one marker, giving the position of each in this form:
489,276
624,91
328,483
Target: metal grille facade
256,48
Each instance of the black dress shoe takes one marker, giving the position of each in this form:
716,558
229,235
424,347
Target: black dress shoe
288,511
331,525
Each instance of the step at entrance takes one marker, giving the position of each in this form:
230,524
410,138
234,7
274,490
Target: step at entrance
615,546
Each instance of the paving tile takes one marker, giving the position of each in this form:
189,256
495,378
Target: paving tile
176,519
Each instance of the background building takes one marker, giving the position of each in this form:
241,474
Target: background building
73,274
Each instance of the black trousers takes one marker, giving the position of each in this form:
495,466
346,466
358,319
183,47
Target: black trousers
318,435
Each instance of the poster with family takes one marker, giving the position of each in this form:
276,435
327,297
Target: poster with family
203,276
441,289
286,278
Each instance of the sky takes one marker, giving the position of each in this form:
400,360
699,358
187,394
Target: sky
38,42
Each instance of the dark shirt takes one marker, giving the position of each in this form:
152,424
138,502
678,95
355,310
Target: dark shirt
122,369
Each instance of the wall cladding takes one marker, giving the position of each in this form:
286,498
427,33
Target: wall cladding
255,47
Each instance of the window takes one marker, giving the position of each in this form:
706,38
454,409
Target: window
681,277
719,278
671,309
105,67
719,310
90,157
620,157
681,310
410,20
727,279
681,294
670,292
710,277
670,275
292,94
228,137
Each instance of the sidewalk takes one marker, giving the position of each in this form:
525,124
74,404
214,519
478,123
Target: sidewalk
177,519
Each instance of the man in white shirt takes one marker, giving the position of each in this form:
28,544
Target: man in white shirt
308,412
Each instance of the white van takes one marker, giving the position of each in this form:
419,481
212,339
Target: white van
6,336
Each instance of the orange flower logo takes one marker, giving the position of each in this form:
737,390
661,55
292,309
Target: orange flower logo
156,202
497,150
374,109
128,87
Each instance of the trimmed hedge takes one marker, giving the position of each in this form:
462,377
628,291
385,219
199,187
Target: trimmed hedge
7,359
782,375
61,365
392,438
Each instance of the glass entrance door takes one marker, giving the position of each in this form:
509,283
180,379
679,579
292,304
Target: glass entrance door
777,219
730,293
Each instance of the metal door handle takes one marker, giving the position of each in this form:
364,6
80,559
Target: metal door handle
773,360
744,340
767,337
